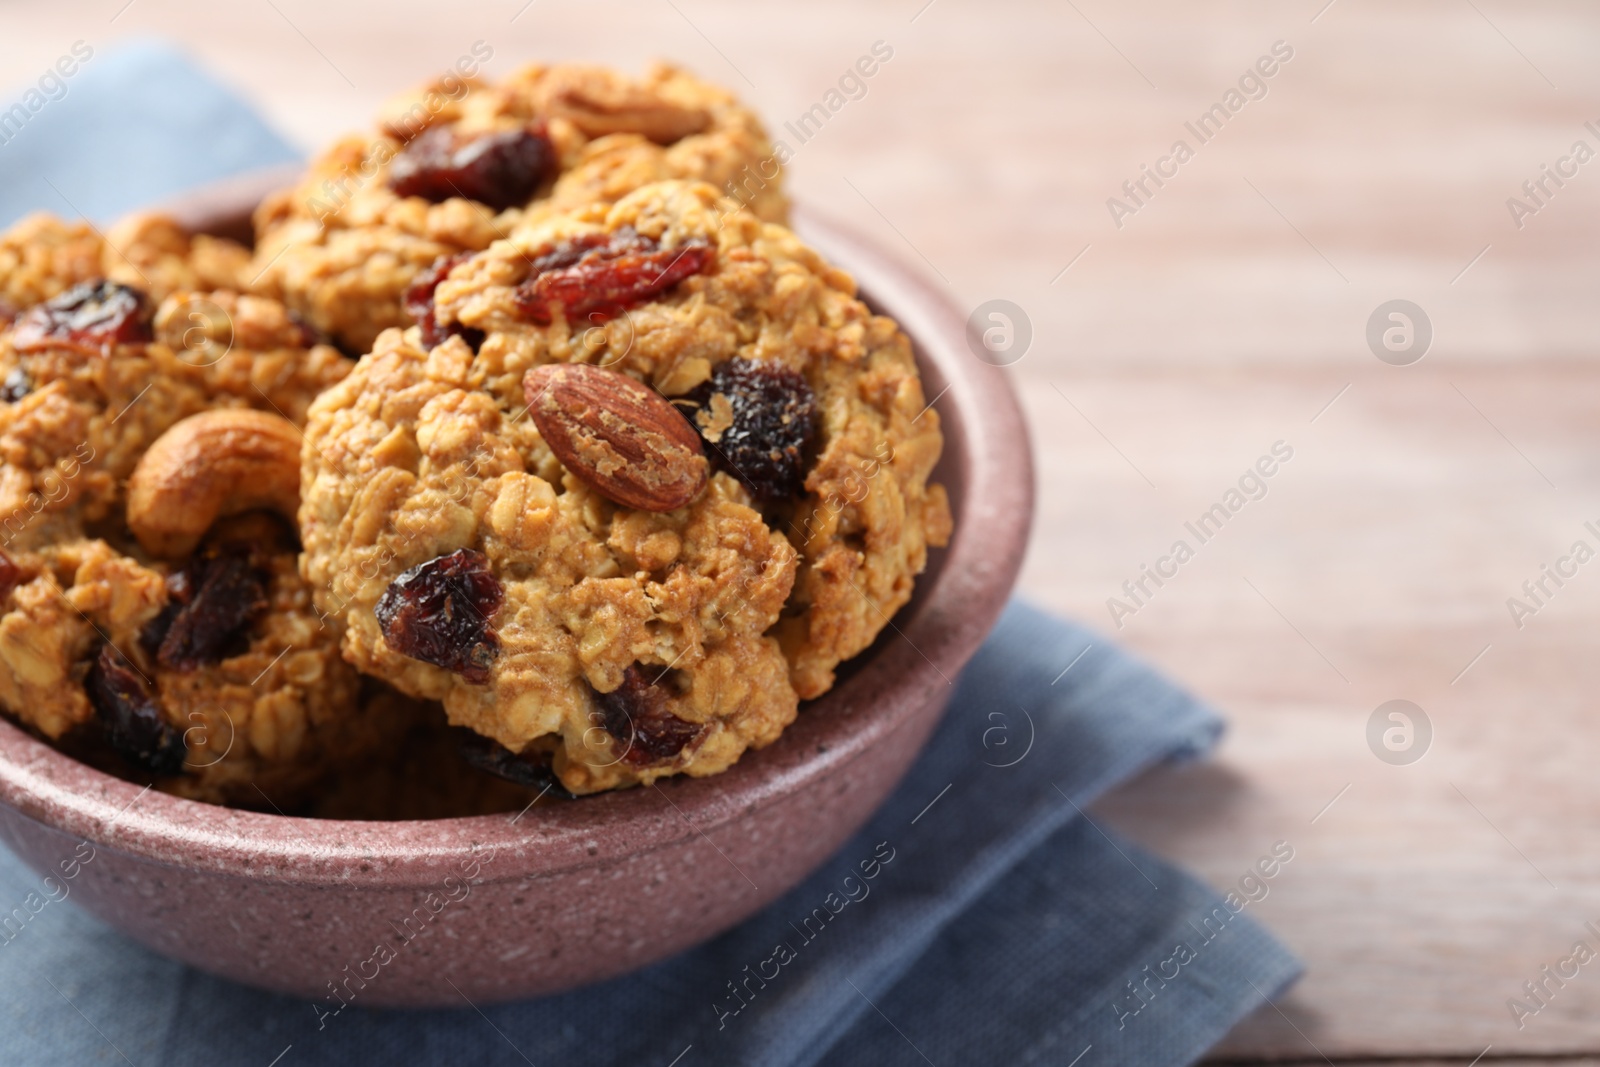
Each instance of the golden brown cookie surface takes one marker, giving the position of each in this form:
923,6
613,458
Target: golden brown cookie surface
213,676
472,564
207,669
453,167
94,366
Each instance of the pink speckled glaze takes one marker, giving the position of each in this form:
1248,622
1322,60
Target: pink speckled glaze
577,892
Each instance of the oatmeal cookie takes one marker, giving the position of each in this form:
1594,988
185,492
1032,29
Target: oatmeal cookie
155,253
206,665
92,369
214,676
42,257
455,163
539,547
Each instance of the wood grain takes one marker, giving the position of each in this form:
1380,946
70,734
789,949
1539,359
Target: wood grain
1223,316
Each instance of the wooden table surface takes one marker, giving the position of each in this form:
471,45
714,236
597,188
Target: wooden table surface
1227,313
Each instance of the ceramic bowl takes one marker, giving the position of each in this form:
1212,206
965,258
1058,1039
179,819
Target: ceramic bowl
571,893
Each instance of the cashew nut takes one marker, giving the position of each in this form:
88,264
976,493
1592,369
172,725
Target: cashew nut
210,466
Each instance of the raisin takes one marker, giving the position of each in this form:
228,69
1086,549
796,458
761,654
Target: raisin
305,334
532,768
774,416
8,314
134,725
597,277
220,594
11,575
180,591
500,169
438,612
91,318
635,713
419,304
17,385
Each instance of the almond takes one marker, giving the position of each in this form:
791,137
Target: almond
598,106
622,438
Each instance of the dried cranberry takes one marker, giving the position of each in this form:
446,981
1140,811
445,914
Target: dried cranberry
532,768
17,385
219,594
90,318
774,416
635,713
438,612
10,574
499,168
570,252
419,304
599,276
134,725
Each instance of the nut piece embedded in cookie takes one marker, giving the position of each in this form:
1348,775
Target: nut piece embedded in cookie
210,466
458,163
621,437
194,657
600,105
93,369
801,394
659,617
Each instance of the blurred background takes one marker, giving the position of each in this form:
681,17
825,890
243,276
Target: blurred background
1440,859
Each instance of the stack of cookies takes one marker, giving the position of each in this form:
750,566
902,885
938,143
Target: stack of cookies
527,442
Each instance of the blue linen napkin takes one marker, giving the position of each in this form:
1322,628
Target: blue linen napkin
1004,925
128,127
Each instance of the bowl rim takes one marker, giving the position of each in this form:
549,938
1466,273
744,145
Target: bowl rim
955,607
